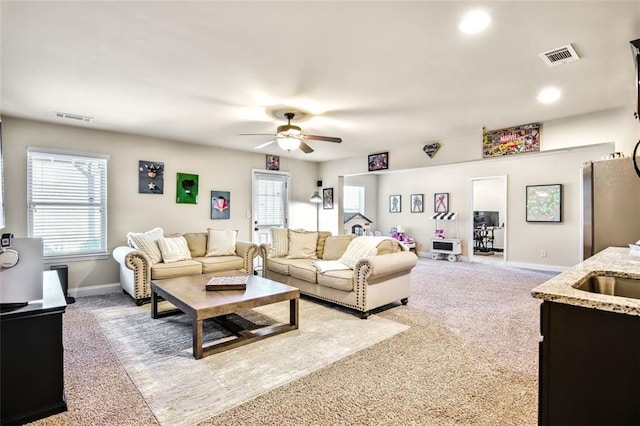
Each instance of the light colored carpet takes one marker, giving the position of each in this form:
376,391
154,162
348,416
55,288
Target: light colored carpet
181,390
469,357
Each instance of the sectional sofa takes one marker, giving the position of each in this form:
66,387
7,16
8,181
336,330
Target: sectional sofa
153,256
361,273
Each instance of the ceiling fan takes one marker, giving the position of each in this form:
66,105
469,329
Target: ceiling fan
290,137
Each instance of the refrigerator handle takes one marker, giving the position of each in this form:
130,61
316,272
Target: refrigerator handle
635,158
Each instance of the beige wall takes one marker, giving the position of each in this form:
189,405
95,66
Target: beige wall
218,169
459,159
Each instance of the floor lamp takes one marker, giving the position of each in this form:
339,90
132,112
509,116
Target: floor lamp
317,200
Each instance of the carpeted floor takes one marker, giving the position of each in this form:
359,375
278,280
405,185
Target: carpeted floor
469,357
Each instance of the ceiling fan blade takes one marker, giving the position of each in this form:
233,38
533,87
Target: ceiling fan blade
265,144
305,148
256,134
323,138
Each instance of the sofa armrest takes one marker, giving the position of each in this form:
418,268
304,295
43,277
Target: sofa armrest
119,253
375,267
247,251
140,263
264,250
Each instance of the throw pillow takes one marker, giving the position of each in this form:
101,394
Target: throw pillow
302,245
147,243
174,249
322,238
279,242
335,246
221,243
197,242
357,249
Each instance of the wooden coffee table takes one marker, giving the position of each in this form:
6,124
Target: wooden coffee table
189,296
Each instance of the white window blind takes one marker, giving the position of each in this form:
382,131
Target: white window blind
67,203
271,193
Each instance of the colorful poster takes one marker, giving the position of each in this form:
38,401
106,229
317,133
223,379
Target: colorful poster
187,188
513,140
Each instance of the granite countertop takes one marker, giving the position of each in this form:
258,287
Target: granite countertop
615,261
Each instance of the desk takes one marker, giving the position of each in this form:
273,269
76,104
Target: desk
483,238
31,373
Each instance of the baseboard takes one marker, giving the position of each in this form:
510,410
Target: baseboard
537,266
95,290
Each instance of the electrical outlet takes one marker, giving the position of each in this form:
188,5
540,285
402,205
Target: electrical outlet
543,253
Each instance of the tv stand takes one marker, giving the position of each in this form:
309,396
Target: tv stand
31,371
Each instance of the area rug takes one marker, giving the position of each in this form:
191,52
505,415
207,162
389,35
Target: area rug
181,390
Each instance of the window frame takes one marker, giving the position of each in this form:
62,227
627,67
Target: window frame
54,200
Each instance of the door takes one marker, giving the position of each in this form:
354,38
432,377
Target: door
270,203
487,219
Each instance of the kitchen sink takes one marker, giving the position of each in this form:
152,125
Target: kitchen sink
611,285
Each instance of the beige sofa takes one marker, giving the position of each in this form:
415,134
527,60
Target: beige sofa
363,282
156,257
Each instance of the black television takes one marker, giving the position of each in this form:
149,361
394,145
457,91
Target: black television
486,219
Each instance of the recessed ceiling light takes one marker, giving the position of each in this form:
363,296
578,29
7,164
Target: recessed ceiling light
549,95
474,22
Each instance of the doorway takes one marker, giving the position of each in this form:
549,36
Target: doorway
487,225
270,203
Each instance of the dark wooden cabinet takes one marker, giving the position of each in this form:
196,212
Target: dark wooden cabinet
31,357
589,370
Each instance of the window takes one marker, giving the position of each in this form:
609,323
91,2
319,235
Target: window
354,199
67,202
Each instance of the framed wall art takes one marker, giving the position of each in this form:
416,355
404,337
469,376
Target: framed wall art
441,202
395,203
417,204
273,162
187,188
327,198
150,177
220,204
512,140
544,203
378,161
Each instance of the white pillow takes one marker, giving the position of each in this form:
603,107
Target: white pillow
279,242
147,243
221,243
302,245
358,248
174,249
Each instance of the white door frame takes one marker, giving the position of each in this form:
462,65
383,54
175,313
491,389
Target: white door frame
470,239
254,231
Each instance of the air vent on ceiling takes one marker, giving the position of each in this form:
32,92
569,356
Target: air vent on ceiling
75,117
560,55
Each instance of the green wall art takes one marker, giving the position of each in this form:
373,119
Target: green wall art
187,189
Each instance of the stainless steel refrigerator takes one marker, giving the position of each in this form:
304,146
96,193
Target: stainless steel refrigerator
611,204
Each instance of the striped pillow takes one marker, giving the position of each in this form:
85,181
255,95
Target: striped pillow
147,243
279,242
174,249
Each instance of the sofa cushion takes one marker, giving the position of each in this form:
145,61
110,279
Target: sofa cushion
221,243
279,242
322,238
174,249
340,280
335,246
359,248
197,242
279,265
220,263
181,268
302,245
147,243
304,270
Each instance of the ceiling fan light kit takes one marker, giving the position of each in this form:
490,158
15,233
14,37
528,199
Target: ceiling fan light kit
290,137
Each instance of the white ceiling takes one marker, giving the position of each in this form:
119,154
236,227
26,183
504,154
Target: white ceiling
380,75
